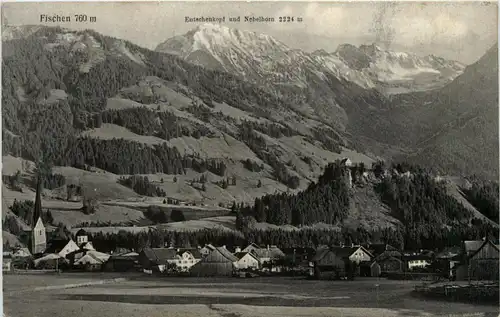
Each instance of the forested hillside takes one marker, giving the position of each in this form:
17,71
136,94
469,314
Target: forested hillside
59,83
107,123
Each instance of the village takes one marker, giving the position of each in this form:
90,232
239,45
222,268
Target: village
473,262
466,272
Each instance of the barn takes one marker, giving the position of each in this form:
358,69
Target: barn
328,263
219,262
483,263
389,264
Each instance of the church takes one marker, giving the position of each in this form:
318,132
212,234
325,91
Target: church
36,236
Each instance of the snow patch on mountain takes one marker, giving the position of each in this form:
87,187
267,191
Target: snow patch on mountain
261,58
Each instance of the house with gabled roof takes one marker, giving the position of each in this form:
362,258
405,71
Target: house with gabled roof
186,258
484,262
156,259
206,249
383,250
340,260
219,262
251,247
247,260
62,247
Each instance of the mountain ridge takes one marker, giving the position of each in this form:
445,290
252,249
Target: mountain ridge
401,70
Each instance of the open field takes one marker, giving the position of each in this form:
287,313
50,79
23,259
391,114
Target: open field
222,297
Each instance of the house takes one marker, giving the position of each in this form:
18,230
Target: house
20,253
156,259
384,250
471,246
62,247
375,269
484,262
355,253
388,264
251,247
219,262
185,259
92,261
247,260
327,262
6,263
448,260
416,260
81,237
299,256
346,162
267,254
206,249
342,260
87,246
51,261
127,262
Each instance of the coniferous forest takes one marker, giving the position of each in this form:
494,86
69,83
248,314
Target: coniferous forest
52,133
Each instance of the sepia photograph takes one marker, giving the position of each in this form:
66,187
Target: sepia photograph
249,159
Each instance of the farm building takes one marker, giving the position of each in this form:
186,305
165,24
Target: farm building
219,262
160,258
251,247
206,249
327,263
483,264
299,256
62,247
87,246
156,259
375,269
247,260
356,254
447,260
20,253
267,254
382,249
471,246
416,261
51,261
122,263
6,262
388,264
92,261
269,257
341,261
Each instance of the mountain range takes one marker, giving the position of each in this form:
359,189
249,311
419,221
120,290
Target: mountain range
423,108
261,58
221,115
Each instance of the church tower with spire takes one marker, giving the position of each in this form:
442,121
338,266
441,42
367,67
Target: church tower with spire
38,236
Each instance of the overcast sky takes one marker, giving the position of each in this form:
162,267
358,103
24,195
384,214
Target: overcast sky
461,31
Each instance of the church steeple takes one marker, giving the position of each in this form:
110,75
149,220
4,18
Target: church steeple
37,212
38,235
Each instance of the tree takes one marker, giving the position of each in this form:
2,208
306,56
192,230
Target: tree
90,203
177,215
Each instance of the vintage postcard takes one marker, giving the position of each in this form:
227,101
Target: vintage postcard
248,159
